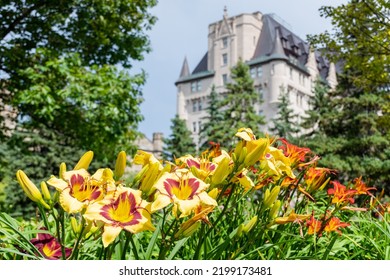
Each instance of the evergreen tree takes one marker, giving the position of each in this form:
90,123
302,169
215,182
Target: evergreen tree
237,106
352,135
315,118
209,131
285,124
179,142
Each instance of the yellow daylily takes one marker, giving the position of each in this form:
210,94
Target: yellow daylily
182,189
120,210
276,163
292,218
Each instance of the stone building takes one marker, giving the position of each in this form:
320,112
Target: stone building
278,60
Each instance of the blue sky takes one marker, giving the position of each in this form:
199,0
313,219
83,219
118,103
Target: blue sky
181,31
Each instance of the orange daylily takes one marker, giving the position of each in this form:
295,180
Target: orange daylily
334,224
341,194
361,187
313,225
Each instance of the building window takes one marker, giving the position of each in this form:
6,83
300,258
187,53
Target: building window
193,105
224,42
194,126
224,79
196,86
260,92
199,125
253,73
259,71
224,59
199,105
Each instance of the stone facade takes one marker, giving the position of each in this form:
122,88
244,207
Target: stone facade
278,60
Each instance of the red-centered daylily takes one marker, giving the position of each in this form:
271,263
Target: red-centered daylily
334,224
49,247
313,225
184,190
122,210
78,189
340,193
200,167
361,187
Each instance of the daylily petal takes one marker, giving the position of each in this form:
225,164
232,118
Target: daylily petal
69,203
160,202
59,184
109,234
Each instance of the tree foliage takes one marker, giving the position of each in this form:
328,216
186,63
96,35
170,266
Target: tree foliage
210,130
359,40
351,134
179,142
237,105
286,122
59,69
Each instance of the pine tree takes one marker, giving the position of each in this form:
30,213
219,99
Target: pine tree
238,105
349,136
210,132
180,142
353,133
285,124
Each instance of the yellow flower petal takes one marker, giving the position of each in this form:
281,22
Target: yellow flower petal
160,202
59,184
109,234
69,203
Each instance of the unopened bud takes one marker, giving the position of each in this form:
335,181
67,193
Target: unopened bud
84,161
270,197
30,189
45,191
249,225
120,165
62,170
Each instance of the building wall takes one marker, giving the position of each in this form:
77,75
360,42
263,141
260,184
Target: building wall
238,37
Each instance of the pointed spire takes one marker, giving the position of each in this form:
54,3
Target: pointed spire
185,70
311,64
225,14
332,76
278,47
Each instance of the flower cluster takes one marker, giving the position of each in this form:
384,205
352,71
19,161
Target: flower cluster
276,183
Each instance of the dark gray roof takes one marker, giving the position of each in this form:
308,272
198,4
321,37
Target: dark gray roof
202,65
292,46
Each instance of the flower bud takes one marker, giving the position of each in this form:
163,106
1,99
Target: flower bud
45,191
62,170
120,165
213,193
188,228
84,161
249,225
76,227
270,197
30,189
221,172
273,213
